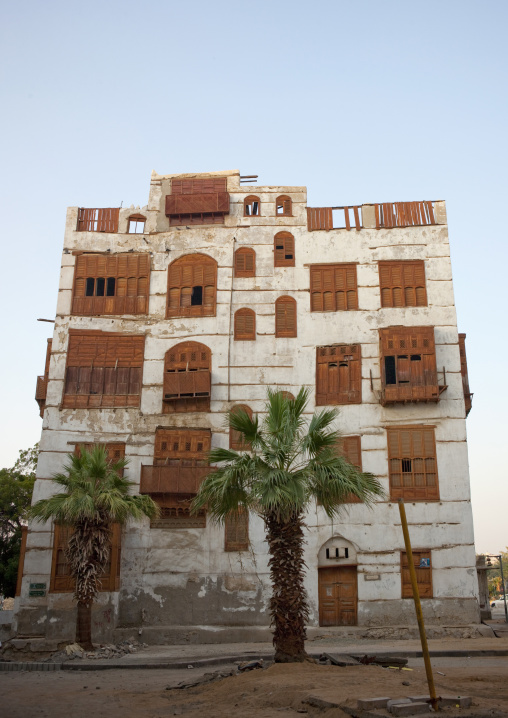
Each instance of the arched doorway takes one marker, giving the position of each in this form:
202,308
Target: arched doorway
338,584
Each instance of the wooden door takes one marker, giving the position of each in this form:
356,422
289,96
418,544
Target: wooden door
338,596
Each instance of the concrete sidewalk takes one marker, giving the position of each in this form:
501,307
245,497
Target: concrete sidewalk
183,656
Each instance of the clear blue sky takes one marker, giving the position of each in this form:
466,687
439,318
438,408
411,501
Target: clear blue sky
360,101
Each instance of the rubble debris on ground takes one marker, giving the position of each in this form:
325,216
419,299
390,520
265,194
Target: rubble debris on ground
206,678
337,659
384,661
110,650
250,665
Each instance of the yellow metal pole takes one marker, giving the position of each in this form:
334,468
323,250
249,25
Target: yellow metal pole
418,607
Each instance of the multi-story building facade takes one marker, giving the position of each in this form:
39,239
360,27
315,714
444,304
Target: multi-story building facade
171,315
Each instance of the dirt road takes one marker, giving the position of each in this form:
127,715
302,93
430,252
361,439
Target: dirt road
278,690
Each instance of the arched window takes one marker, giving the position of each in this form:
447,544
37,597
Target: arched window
192,285
245,325
251,206
283,206
287,395
236,441
284,250
136,224
285,317
245,262
187,378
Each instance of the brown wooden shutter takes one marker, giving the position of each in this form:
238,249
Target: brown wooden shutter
285,317
103,369
284,250
245,262
333,287
187,378
235,437
197,201
61,580
98,220
186,275
319,218
422,559
408,365
402,283
412,463
338,375
237,531
350,447
245,325
283,206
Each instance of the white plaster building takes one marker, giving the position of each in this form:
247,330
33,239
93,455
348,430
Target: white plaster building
150,351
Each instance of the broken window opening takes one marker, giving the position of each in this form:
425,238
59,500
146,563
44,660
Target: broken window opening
390,372
136,226
197,297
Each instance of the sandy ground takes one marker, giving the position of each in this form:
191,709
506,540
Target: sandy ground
279,690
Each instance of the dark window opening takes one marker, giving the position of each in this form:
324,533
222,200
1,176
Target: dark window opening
288,256
90,286
197,296
110,287
390,373
279,246
346,553
406,466
255,208
99,286
416,357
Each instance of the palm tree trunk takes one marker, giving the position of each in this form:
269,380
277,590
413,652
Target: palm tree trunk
84,625
288,605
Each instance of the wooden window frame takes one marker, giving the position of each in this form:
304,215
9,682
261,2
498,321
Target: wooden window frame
236,531
127,273
408,365
333,287
285,202
188,356
136,219
41,388
402,283
115,450
180,464
283,244
197,201
102,219
350,447
425,588
245,325
186,275
286,324
412,470
104,370
63,583
235,438
251,200
245,262
348,384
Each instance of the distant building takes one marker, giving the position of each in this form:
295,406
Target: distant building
170,315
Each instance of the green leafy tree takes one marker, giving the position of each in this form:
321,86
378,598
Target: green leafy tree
291,462
16,487
94,496
494,575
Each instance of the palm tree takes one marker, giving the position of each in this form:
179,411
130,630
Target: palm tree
291,462
95,495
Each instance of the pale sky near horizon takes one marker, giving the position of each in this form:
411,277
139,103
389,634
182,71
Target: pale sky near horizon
359,101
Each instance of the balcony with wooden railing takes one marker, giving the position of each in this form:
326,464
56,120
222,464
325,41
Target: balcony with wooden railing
386,215
173,479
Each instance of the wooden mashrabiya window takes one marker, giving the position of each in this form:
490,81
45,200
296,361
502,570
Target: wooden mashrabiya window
338,375
245,325
179,467
412,463
408,365
187,378
285,317
245,262
236,533
111,284
104,370
197,201
333,287
192,286
403,283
